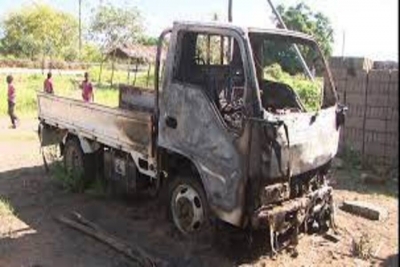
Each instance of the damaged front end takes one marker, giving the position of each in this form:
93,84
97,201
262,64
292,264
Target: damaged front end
293,141
291,190
285,220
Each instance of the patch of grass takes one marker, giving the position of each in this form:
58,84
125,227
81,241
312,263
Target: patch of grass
121,76
27,86
350,176
98,188
75,182
107,96
5,207
351,158
72,181
362,247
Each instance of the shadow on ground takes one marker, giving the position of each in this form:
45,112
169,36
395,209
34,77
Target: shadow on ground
351,180
392,261
37,199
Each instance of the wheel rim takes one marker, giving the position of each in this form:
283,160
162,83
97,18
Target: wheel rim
187,209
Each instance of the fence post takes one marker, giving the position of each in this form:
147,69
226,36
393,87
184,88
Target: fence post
363,161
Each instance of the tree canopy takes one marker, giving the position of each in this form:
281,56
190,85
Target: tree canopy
40,30
300,18
113,25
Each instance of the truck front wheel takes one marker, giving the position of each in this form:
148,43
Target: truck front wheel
188,206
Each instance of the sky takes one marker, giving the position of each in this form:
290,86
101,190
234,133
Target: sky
369,28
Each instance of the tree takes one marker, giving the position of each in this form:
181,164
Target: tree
112,25
300,18
80,26
90,53
148,40
39,30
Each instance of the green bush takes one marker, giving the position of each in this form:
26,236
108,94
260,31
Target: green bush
308,91
72,181
91,53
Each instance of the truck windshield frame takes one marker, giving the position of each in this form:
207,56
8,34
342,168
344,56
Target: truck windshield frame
290,100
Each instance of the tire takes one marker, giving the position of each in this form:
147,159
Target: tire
79,167
188,208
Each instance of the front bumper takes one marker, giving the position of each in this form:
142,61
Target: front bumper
295,212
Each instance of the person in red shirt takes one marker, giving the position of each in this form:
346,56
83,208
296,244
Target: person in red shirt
11,101
87,89
48,84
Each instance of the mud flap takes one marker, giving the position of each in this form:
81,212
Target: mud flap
48,136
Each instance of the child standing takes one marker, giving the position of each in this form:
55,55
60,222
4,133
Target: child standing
48,84
11,101
87,89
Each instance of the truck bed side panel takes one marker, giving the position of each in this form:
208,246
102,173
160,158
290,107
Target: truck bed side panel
125,130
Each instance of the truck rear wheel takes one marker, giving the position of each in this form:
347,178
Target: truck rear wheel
188,207
77,164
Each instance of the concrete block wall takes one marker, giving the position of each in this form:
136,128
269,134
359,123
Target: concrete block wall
372,120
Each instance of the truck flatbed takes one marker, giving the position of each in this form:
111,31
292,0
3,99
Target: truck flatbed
127,130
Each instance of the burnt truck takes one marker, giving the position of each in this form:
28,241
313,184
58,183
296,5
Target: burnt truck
215,132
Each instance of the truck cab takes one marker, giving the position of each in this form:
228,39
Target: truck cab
252,145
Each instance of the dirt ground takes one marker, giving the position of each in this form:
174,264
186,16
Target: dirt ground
29,235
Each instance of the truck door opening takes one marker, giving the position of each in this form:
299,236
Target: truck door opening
204,61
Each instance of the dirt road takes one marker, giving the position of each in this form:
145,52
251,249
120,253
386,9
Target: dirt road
29,235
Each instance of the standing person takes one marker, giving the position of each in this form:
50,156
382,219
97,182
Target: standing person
87,89
48,84
11,101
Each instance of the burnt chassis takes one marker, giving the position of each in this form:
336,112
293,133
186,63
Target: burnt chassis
299,198
290,217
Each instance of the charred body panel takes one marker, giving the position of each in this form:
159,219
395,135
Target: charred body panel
190,124
202,137
297,143
136,98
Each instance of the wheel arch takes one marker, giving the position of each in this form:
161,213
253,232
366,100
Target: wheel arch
87,146
179,159
182,165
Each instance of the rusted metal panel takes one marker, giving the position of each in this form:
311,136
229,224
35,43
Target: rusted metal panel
135,98
299,143
201,134
202,137
312,139
117,128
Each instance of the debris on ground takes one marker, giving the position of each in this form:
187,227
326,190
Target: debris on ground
365,210
84,225
362,247
331,238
